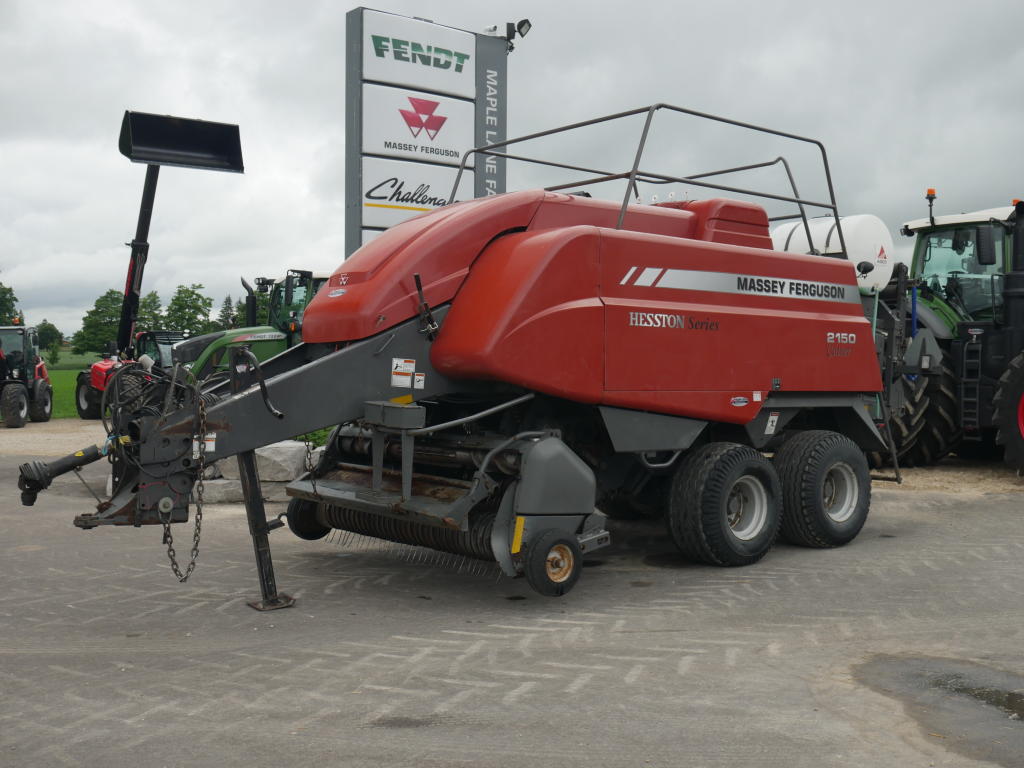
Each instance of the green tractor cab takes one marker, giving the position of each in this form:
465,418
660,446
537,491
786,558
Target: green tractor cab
969,269
208,354
25,391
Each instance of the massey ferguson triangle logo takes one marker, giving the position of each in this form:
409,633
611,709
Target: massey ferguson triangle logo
422,118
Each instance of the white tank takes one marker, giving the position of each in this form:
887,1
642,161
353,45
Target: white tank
867,239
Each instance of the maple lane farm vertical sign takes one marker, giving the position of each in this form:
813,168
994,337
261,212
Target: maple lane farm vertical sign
418,95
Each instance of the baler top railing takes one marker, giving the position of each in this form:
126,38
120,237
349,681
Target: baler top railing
635,174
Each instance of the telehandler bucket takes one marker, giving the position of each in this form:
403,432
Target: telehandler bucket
168,140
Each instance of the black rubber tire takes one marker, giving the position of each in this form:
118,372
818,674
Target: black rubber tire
14,405
907,423
87,400
704,485
1009,412
303,522
814,466
941,432
41,407
125,390
552,563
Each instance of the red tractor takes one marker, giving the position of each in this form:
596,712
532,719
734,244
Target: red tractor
25,391
92,382
504,373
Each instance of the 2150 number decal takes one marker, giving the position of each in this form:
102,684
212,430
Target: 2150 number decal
832,337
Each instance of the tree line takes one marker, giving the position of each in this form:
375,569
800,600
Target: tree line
188,311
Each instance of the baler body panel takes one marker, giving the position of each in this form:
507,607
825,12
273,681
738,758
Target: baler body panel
656,322
530,314
375,289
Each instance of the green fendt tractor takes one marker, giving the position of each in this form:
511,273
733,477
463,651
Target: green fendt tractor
25,391
207,354
968,275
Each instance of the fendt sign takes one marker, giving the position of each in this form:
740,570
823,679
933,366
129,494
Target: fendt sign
416,53
419,95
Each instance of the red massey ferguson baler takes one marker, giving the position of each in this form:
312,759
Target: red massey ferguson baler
505,372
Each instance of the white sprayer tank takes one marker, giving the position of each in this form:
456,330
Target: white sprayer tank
867,239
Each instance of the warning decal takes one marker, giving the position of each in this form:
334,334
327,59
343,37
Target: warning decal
401,372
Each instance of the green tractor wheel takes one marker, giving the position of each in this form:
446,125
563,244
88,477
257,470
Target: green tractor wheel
940,433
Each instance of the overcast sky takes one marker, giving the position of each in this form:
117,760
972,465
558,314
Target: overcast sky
904,96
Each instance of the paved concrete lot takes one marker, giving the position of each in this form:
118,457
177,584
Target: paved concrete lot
901,649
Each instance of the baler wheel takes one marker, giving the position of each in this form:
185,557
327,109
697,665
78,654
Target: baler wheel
553,563
826,489
87,401
303,522
724,505
14,405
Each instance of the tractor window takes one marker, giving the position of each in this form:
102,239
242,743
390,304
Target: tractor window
280,313
12,341
950,268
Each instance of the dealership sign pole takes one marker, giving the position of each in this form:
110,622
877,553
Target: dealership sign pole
418,95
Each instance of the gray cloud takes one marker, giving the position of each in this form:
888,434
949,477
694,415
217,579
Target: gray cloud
904,96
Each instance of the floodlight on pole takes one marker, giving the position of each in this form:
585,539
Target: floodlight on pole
521,28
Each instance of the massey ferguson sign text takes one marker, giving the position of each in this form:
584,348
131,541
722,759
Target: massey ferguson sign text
413,125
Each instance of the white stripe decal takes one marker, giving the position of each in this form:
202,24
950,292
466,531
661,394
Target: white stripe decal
755,285
648,276
628,275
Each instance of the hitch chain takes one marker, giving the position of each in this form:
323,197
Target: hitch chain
168,538
309,465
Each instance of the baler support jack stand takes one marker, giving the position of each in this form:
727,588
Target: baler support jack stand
241,376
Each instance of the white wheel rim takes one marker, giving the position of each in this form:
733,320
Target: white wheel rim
840,492
83,398
746,508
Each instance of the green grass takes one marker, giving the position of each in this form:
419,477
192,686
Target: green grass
70,362
63,382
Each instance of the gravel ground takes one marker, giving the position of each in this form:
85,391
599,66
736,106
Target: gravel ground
902,649
57,437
